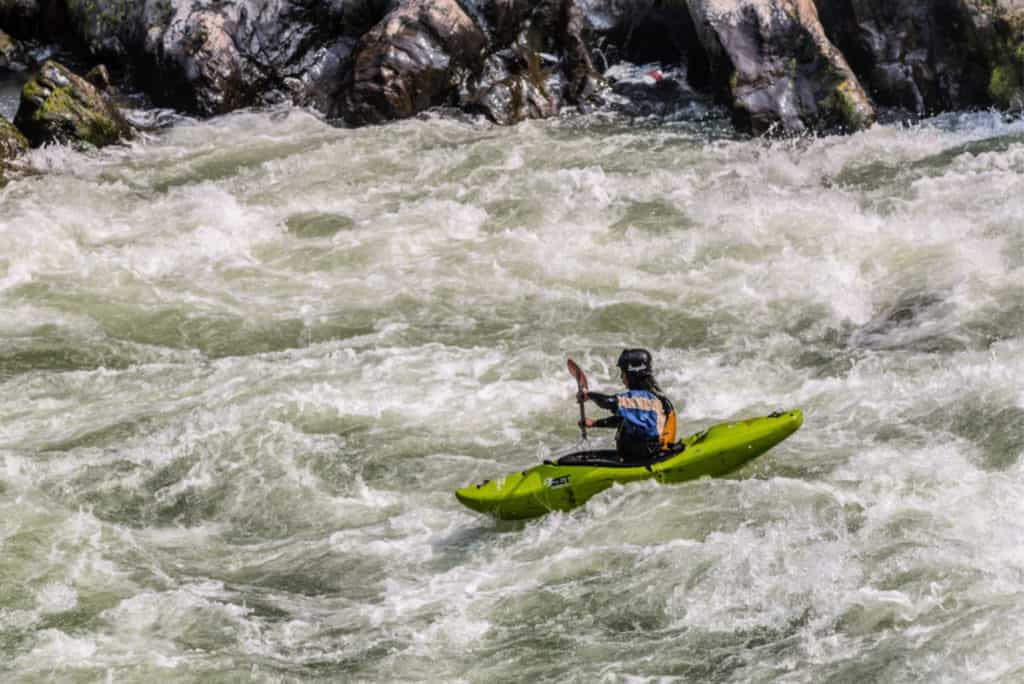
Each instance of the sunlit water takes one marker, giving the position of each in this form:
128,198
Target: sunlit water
245,363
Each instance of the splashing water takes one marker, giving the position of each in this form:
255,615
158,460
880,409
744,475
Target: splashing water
246,362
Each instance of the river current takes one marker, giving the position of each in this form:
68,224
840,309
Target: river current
244,363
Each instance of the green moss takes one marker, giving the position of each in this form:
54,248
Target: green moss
33,92
69,117
1004,86
853,115
12,142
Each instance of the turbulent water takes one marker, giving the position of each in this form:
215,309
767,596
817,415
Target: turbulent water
245,363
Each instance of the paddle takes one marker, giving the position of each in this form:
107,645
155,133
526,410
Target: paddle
581,387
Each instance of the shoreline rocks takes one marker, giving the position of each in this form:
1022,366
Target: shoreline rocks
781,66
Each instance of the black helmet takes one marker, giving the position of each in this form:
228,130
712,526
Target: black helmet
635,361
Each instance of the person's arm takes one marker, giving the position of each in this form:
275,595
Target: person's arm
609,402
609,422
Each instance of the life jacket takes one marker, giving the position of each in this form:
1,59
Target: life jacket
647,417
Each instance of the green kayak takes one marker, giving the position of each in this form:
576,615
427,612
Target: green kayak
573,479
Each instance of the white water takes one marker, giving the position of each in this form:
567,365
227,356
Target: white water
245,363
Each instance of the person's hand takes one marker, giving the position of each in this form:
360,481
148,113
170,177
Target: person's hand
581,396
589,422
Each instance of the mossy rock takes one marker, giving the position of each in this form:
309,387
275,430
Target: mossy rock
1004,87
58,106
12,142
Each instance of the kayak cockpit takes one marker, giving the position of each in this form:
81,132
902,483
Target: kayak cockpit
609,458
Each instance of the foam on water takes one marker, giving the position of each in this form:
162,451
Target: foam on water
245,362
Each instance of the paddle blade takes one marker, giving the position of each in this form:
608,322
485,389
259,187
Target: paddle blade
577,372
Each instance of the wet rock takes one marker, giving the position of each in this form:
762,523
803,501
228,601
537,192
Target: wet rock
784,75
12,142
923,56
516,84
320,80
58,106
645,31
539,61
202,65
412,60
653,90
210,58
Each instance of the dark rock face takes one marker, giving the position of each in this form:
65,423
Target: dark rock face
784,74
211,58
646,31
411,61
58,106
923,56
539,61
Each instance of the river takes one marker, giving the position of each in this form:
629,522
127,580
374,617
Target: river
244,363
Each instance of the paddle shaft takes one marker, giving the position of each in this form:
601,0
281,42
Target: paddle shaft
581,387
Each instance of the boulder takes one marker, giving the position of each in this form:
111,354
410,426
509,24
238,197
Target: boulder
201,67
538,61
414,59
12,142
515,84
772,62
12,55
58,106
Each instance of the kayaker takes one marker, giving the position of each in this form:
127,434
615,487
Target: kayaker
643,415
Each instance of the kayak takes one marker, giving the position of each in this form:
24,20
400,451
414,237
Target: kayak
573,479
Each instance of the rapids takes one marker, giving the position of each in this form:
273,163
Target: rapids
246,362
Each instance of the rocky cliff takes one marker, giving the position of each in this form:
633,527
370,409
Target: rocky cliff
785,66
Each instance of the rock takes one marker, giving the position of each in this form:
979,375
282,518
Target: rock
515,84
12,55
646,31
653,90
202,68
58,106
539,61
784,75
412,60
99,76
210,58
19,17
12,142
924,56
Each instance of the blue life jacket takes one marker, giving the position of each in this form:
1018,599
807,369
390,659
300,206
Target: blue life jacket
643,415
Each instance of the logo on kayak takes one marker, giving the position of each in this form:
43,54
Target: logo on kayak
555,482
